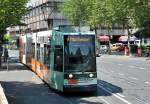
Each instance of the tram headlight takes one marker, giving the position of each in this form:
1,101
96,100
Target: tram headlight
91,75
70,76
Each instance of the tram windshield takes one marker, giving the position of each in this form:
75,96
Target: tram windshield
79,53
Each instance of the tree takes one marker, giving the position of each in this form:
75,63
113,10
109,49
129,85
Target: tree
11,11
94,13
75,11
130,13
142,14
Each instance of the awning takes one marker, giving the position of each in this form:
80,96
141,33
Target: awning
125,38
103,38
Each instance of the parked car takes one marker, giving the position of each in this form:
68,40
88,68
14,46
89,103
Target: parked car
121,48
116,47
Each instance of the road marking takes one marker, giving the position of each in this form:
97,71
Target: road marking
121,74
117,96
130,82
112,71
120,95
132,66
147,82
133,78
141,68
120,64
141,101
105,101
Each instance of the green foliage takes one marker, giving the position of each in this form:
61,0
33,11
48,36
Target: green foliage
134,13
142,13
11,11
144,49
97,13
75,11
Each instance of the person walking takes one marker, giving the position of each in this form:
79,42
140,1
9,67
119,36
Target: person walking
1,52
6,54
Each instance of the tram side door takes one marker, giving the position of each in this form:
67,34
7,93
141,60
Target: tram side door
57,74
29,51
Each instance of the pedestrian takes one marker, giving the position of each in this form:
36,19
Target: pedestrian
6,55
1,52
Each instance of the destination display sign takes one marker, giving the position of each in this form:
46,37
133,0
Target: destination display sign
74,38
78,39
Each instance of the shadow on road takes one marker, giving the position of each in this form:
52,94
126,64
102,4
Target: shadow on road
28,93
104,89
107,89
32,93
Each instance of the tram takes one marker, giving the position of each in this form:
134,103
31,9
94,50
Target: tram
66,61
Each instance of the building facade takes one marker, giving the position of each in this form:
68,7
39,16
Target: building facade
44,15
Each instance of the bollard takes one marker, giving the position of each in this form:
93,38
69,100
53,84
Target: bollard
126,51
139,52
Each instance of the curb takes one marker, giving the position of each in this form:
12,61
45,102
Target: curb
3,99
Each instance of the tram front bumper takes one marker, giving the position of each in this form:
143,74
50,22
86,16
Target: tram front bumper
80,88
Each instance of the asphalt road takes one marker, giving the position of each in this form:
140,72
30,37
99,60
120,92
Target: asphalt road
121,80
131,75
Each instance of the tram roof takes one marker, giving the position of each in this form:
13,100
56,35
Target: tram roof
72,30
75,33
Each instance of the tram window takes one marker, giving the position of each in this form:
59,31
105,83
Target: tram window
48,56
58,58
33,50
45,54
38,52
41,55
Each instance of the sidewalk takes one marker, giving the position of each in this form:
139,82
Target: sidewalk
19,83
22,86
6,76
